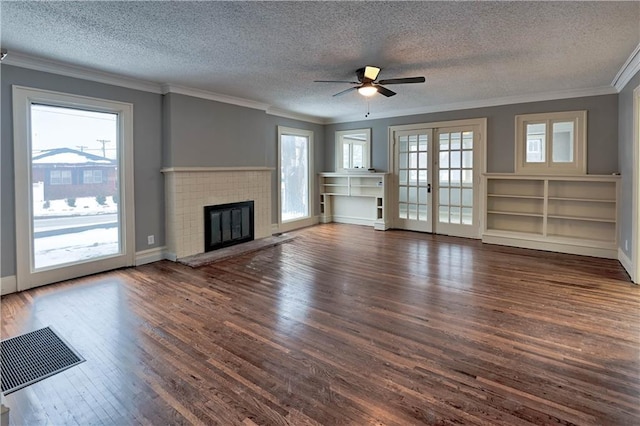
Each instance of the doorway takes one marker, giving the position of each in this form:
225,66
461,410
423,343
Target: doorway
436,176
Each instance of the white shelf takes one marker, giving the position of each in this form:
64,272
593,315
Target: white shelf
360,198
514,213
529,197
573,214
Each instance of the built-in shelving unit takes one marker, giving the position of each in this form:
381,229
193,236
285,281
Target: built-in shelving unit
357,198
571,214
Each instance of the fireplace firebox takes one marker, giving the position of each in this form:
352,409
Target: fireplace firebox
227,224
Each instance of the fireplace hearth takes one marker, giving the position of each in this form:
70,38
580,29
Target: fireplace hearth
228,224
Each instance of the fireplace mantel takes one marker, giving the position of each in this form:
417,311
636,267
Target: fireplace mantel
215,169
189,189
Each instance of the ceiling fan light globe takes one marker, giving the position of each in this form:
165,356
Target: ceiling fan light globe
367,90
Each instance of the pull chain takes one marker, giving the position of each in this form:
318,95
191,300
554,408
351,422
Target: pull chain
368,112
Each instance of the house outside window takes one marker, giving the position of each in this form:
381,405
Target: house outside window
92,176
60,177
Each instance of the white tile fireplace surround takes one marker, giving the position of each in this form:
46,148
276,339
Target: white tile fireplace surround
189,189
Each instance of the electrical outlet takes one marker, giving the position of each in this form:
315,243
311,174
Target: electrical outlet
151,239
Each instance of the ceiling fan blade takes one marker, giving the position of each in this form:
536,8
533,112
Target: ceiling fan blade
350,89
384,91
335,81
371,73
403,80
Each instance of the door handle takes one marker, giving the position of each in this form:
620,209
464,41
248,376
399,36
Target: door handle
429,188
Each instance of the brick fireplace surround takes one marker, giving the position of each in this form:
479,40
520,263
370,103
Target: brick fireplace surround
189,189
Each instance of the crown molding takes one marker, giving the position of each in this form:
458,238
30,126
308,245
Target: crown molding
212,96
55,67
295,116
628,70
485,103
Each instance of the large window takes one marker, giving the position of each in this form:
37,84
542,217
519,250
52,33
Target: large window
551,143
295,172
353,149
65,229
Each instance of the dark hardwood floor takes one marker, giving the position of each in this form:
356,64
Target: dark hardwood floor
343,325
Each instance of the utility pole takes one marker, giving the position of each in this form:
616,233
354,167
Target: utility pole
82,147
104,142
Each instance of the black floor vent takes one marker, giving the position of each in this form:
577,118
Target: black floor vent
34,356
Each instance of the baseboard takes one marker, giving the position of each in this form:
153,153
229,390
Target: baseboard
627,264
274,228
354,220
558,247
149,256
8,285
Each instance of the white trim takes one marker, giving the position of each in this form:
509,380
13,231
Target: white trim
215,169
274,229
628,70
626,263
212,96
294,115
299,224
546,245
55,67
483,103
635,188
150,255
354,220
8,285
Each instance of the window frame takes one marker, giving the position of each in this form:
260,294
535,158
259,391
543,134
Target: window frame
310,219
340,142
548,167
92,180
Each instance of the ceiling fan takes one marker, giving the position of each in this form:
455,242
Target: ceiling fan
368,85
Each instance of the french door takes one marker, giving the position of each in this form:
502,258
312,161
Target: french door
436,179
74,186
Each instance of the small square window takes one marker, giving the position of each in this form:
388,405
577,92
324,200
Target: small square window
551,143
355,148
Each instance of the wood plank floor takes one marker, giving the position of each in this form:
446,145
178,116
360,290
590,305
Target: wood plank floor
343,325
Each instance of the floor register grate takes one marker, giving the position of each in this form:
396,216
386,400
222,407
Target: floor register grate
31,357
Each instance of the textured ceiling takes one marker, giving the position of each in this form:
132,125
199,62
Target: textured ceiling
271,52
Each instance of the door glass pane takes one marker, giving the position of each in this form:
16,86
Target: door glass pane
412,169
467,216
75,186
456,172
536,134
402,177
467,140
467,197
467,159
455,215
563,142
443,214
455,140
444,160
294,169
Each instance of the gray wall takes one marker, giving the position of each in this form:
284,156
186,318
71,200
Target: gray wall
625,155
204,133
149,190
602,132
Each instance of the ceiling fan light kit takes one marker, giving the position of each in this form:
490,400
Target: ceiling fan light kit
368,85
367,90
